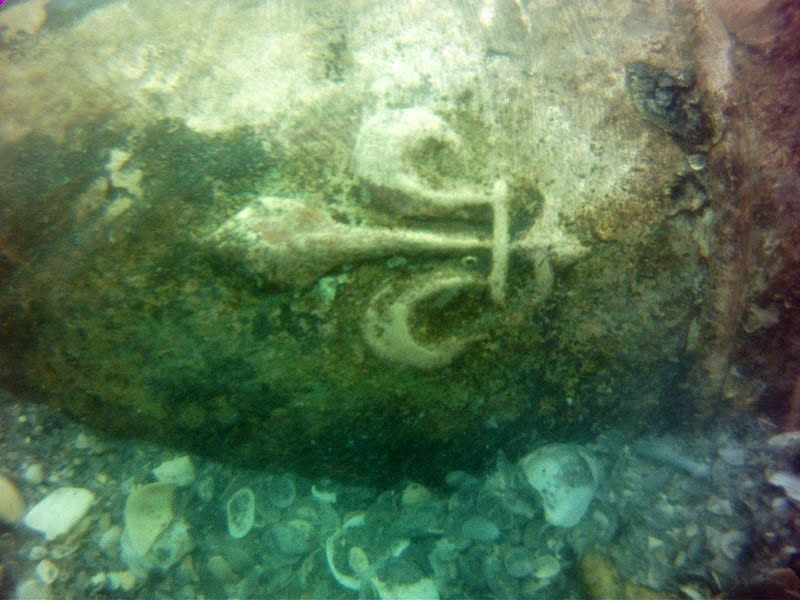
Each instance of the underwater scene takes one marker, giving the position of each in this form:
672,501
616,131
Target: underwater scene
408,299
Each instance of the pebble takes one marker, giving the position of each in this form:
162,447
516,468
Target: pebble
732,544
281,490
519,562
47,571
205,489
719,506
148,512
697,161
109,541
179,471
174,543
654,543
34,474
115,581
221,570
294,537
57,513
726,543
358,561
546,567
735,457
480,529
122,580
83,442
414,493
12,505
33,589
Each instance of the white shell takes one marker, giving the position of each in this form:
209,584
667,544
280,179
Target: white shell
323,496
788,481
565,477
59,512
241,512
47,571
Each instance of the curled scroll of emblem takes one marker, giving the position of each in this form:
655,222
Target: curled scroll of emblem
387,325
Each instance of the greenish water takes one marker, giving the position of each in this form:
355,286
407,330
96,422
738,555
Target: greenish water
434,296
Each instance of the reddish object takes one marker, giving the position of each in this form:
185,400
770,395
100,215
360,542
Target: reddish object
755,167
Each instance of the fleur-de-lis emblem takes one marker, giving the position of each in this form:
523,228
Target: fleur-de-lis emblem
286,242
